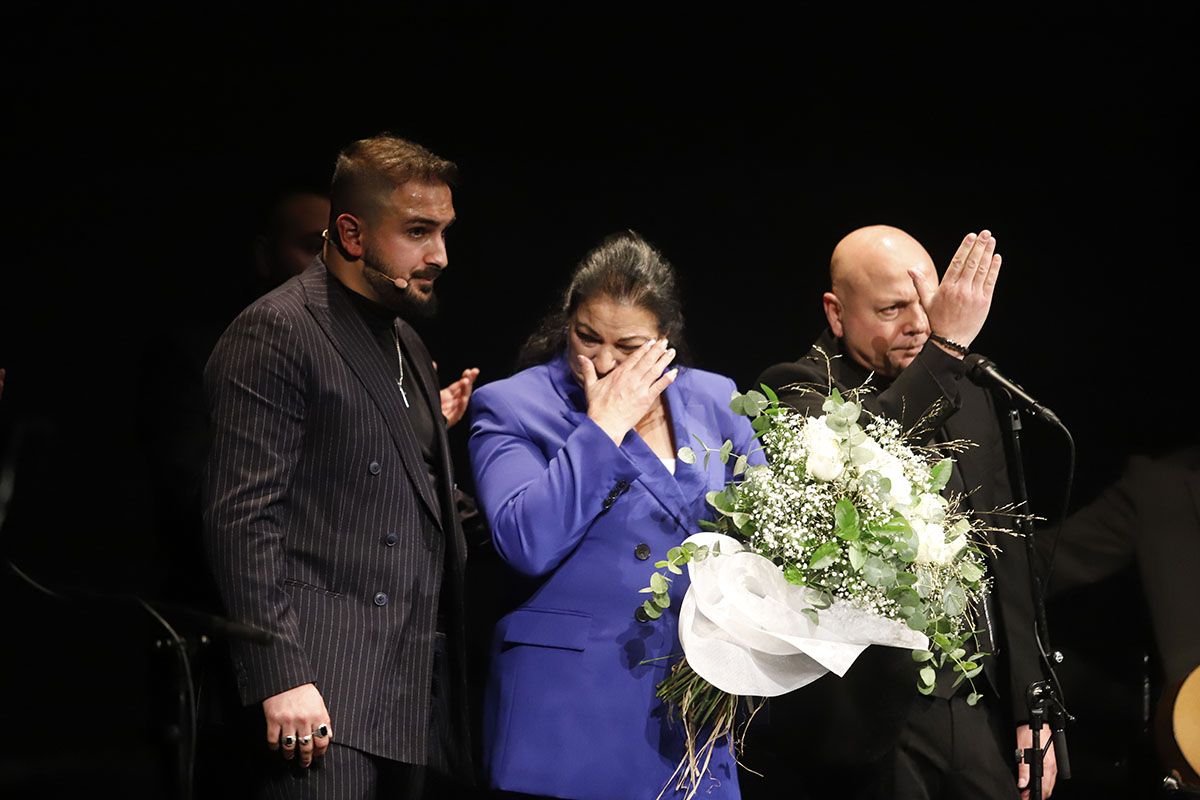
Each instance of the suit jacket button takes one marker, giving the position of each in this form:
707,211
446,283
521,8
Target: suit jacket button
374,468
642,551
381,599
390,539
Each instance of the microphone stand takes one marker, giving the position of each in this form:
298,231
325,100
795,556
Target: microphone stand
1041,697
209,625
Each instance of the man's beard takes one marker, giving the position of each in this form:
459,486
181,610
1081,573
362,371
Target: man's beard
407,302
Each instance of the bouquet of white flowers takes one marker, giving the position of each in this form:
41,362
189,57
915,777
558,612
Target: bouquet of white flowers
841,540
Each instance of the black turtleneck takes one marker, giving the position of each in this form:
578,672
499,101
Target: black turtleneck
381,321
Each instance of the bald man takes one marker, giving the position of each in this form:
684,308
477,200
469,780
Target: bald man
871,733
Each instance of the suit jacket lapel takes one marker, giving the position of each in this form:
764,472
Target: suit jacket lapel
350,337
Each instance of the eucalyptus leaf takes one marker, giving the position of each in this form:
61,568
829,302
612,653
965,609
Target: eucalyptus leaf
917,621
878,572
687,455
954,600
845,517
726,449
811,615
658,584
973,698
925,690
928,676
825,555
770,394
857,555
662,600
739,466
819,599
738,405
921,656
651,610
674,569
861,455
740,518
969,571
793,575
939,476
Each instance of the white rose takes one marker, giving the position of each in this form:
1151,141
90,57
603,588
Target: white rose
929,508
890,467
932,547
824,457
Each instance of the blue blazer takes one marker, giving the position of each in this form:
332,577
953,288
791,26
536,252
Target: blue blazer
570,709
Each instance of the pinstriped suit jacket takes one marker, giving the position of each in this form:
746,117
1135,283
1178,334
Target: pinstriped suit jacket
320,522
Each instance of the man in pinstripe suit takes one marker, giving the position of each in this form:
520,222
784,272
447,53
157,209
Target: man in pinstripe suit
329,513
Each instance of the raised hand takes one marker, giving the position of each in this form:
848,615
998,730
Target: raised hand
457,396
622,397
294,723
959,305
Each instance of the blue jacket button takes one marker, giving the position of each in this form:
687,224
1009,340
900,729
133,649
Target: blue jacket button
642,551
381,599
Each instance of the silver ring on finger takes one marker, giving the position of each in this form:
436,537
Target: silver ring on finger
305,740
322,731
289,740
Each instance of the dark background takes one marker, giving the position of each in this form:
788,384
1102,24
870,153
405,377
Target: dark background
141,148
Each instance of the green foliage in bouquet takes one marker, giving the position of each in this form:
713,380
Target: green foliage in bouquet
850,511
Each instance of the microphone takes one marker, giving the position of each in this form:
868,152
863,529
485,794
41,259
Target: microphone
983,372
400,283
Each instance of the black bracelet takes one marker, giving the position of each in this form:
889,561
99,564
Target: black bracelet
955,346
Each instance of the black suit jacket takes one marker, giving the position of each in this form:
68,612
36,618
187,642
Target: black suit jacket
1151,516
321,524
857,718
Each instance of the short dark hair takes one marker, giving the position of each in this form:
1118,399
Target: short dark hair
369,169
625,268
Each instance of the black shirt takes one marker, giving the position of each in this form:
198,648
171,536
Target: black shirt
382,322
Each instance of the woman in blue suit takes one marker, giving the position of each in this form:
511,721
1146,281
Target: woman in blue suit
574,464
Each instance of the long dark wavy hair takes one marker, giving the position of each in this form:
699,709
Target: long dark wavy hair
627,269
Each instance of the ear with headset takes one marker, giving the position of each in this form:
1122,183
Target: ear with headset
349,246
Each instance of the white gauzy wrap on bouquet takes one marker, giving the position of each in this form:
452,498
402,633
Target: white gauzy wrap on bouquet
742,628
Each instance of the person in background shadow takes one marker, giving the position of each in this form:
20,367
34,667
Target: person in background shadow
1149,517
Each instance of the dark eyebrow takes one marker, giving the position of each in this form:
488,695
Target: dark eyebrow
432,223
